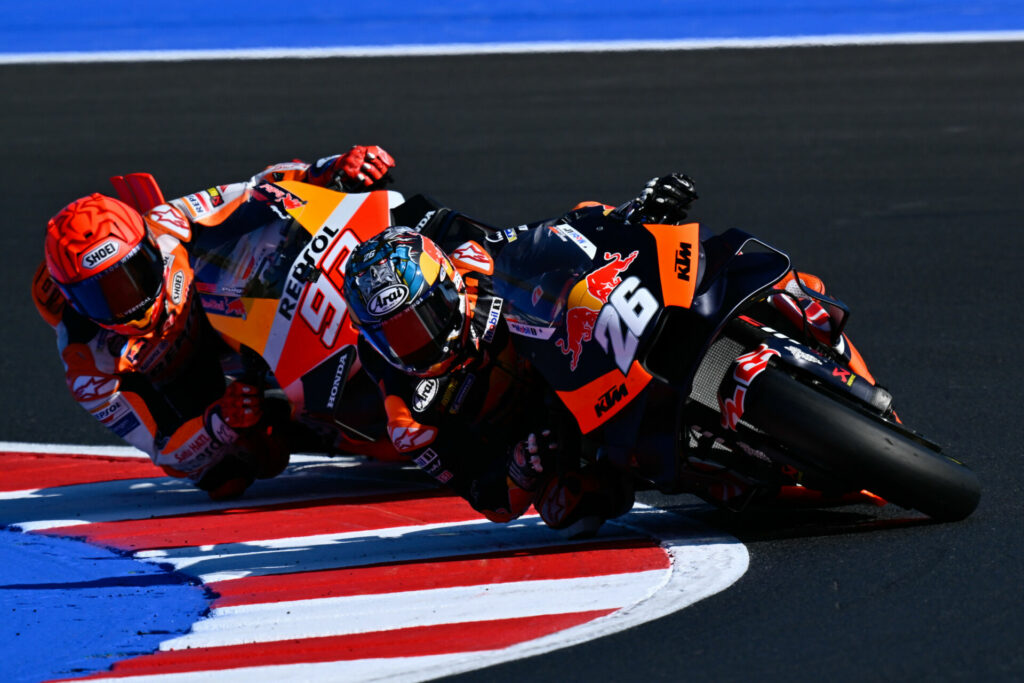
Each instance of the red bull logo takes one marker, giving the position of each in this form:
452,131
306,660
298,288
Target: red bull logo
585,301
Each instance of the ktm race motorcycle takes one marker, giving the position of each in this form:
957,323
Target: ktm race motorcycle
701,363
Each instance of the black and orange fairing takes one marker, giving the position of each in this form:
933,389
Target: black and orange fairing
678,253
678,261
601,399
584,299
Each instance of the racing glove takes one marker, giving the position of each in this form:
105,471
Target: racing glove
664,200
359,169
197,445
258,451
241,406
527,461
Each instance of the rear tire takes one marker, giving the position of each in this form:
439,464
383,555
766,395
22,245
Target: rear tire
859,450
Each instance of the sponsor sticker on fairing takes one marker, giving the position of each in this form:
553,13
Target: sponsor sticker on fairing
532,331
802,355
566,231
340,375
493,318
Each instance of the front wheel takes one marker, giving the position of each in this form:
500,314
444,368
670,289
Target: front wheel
859,450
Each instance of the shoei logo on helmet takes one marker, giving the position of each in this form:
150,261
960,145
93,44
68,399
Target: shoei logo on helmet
388,299
177,286
100,254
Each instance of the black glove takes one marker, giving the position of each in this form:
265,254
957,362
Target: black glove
528,459
664,200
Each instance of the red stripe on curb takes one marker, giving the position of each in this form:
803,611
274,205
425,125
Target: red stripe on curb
407,642
615,557
243,524
23,471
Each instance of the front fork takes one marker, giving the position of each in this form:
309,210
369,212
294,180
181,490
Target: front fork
728,461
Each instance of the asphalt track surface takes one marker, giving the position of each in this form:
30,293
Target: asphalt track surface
893,172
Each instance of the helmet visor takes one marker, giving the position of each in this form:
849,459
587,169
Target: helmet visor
425,334
125,291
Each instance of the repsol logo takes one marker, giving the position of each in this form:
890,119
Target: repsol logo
304,269
387,300
100,254
609,399
683,261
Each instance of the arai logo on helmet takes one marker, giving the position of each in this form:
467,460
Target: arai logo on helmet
424,395
100,254
388,299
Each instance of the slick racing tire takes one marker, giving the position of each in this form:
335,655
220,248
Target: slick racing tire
858,449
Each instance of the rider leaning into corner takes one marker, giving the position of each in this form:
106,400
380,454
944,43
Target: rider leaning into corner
138,352
461,402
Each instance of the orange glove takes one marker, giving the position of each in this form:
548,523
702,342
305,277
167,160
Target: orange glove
362,167
241,406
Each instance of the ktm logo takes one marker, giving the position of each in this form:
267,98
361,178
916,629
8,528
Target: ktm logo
683,261
609,399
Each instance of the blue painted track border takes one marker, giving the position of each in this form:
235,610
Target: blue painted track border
62,26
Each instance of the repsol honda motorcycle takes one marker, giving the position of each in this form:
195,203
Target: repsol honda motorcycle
663,343
269,281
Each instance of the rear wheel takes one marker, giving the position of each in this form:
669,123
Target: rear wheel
859,450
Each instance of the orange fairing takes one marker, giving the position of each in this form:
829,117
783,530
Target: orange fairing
596,402
314,319
678,254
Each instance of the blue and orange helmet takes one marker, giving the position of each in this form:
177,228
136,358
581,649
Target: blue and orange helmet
409,302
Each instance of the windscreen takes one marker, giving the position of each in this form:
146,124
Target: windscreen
535,273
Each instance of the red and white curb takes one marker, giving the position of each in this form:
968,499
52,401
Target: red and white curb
346,570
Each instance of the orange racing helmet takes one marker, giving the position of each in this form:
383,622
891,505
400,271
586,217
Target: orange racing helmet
105,262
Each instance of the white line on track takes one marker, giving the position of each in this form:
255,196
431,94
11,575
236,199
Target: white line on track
228,561
767,42
276,621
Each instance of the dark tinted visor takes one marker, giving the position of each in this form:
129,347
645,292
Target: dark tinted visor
123,292
418,335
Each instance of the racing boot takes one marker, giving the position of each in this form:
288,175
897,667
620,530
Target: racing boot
578,502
